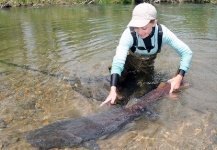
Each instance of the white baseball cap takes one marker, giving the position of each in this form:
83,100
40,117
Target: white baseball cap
142,14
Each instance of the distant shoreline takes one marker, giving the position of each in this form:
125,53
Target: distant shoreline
8,4
32,3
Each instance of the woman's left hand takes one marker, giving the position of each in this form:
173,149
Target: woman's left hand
175,82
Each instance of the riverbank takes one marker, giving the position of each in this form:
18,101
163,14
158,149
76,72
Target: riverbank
25,3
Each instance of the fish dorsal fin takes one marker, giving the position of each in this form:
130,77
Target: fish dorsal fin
91,144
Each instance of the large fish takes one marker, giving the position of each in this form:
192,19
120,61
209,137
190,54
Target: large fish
77,131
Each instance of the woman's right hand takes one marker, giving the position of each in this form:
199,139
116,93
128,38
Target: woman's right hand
112,96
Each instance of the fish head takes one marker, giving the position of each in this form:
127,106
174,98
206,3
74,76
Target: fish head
46,139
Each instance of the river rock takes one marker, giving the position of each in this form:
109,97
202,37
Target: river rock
2,124
5,5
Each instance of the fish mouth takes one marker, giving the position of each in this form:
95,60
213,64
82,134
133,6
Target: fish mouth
33,142
40,143
52,141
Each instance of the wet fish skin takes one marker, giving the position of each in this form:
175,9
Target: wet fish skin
53,135
74,132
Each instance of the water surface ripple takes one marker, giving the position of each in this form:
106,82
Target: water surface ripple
53,66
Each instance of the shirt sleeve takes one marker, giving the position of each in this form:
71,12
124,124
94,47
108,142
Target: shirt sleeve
125,43
180,47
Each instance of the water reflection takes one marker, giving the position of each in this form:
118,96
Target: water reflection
53,65
29,39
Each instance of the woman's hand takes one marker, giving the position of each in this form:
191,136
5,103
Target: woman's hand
175,82
112,96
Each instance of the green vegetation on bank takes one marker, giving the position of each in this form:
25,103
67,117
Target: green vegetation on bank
113,1
16,3
10,3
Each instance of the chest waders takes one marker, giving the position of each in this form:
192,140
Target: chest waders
138,69
134,63
142,64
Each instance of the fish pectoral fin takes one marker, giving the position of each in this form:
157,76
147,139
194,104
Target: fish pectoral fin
104,137
151,114
91,145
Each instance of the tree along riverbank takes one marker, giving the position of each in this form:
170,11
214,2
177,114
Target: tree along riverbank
24,3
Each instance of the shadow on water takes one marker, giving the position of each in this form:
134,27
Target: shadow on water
75,83
59,76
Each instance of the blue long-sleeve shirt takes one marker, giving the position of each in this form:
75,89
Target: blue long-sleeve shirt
169,38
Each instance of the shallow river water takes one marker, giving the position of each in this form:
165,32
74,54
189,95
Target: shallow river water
53,66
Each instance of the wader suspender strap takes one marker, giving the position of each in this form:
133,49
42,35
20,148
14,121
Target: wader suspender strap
160,35
135,41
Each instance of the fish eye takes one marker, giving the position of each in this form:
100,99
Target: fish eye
39,140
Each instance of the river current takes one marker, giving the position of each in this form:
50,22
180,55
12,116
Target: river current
54,65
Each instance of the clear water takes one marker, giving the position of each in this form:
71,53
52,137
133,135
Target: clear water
53,66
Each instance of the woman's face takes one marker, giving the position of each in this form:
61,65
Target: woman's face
145,31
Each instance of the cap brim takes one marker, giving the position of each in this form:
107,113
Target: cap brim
138,23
